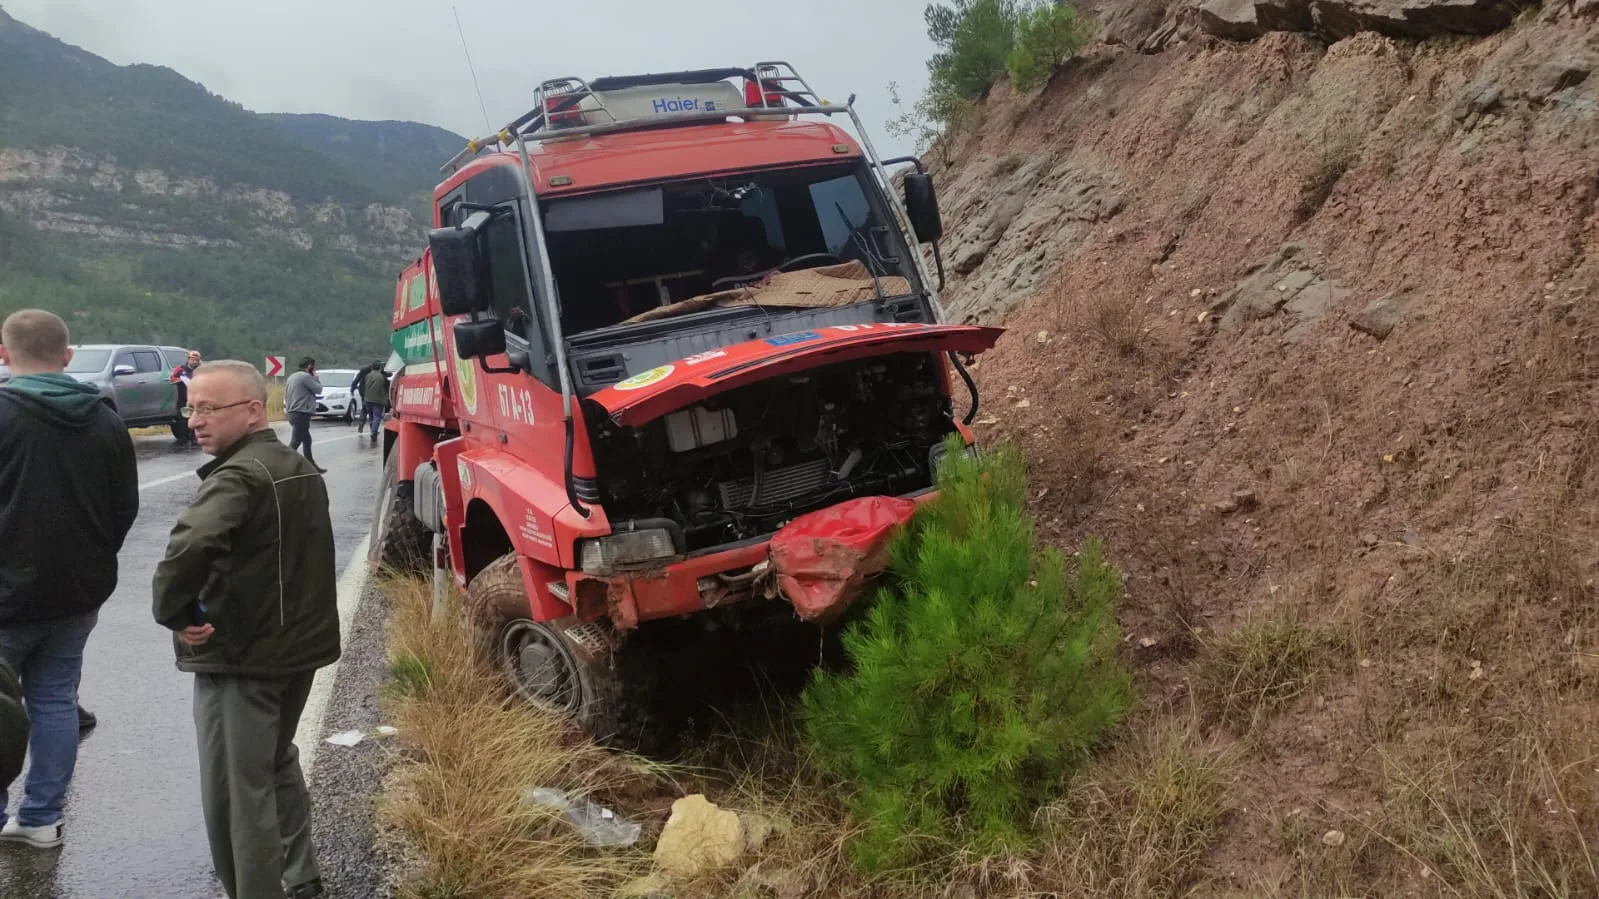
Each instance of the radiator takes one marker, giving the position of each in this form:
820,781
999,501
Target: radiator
778,485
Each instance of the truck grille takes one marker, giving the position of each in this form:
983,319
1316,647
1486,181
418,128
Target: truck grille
777,485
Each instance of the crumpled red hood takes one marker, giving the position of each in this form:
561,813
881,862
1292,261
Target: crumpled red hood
822,559
687,381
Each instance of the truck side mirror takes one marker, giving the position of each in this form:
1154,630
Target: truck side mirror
921,203
478,339
122,371
459,266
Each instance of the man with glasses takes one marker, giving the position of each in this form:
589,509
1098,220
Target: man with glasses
249,590
69,492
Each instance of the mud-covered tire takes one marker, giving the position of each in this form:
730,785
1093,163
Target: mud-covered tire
564,667
399,542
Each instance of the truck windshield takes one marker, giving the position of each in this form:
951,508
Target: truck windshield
639,254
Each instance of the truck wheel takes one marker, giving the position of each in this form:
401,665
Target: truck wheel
564,667
399,542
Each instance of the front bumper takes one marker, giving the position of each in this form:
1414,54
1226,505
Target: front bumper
693,584
334,406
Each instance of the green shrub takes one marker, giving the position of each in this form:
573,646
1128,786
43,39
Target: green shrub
1046,37
974,37
981,675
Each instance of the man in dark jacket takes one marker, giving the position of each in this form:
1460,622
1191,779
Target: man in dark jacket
249,588
69,492
356,384
375,397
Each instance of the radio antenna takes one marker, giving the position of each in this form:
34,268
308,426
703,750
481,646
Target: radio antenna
468,54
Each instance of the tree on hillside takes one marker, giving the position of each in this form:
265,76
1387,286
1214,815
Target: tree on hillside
1046,38
978,42
974,38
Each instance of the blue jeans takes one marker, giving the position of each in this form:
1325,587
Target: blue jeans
48,656
374,415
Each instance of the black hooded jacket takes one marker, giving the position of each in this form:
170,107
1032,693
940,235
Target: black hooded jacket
69,492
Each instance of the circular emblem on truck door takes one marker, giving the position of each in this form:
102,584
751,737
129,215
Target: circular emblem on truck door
645,378
466,378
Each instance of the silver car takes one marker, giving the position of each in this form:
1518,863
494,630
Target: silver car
133,379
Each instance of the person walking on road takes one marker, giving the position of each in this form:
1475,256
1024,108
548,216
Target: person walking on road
375,397
299,403
69,492
180,378
248,588
357,383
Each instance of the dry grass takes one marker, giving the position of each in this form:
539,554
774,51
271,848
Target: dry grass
1142,821
1246,674
1117,325
1137,822
1513,823
274,405
457,798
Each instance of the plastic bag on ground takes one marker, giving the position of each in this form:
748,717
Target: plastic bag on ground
599,825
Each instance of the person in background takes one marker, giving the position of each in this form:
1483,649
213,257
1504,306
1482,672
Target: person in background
249,590
375,397
357,383
299,403
69,493
180,379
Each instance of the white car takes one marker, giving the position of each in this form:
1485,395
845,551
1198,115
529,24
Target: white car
336,400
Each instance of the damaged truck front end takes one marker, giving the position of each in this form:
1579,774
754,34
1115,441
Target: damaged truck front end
770,468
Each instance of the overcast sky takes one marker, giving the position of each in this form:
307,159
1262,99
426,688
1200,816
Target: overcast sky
402,59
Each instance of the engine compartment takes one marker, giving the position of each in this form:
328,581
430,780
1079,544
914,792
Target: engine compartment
741,464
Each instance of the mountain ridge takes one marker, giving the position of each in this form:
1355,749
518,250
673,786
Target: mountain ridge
148,208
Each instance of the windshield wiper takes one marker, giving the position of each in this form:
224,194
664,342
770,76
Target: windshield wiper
873,262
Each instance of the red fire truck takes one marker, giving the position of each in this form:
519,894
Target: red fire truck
674,353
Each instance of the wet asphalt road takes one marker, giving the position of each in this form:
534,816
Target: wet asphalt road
133,824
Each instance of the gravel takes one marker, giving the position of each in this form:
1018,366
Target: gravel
345,781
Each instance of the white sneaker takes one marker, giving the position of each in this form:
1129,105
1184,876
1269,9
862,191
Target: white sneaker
46,837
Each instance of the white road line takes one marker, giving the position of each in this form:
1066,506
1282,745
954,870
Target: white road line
351,587
166,480
189,474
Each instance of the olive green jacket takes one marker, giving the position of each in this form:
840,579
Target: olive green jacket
253,556
13,727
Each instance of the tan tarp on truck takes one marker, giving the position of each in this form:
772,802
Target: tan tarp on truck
832,285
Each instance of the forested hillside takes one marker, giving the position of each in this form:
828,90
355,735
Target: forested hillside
146,208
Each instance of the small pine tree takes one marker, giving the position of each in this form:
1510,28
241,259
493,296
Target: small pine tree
1046,37
981,675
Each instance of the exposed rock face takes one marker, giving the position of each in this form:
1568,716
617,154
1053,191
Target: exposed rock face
67,190
1028,210
1242,20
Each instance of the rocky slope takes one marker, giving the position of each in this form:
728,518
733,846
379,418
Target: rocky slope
1301,299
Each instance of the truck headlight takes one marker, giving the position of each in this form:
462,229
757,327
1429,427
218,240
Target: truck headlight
602,555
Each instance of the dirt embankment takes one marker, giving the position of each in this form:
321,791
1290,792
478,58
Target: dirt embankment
1305,326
